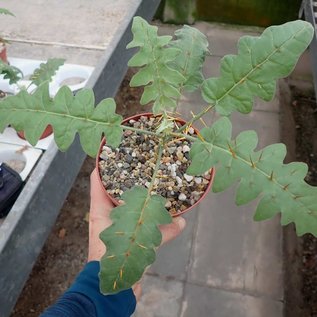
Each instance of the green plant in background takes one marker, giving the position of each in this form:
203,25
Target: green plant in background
168,68
14,74
9,72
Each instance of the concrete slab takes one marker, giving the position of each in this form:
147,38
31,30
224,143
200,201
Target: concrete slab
73,55
233,252
78,23
173,259
202,301
160,298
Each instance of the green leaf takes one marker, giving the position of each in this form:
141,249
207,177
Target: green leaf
46,71
281,187
162,81
10,72
66,113
193,46
6,12
131,239
260,61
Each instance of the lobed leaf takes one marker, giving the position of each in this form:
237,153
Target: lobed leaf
46,71
131,239
162,82
10,72
281,187
193,46
260,61
66,113
6,12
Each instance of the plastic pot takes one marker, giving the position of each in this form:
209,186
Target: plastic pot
3,53
136,118
48,131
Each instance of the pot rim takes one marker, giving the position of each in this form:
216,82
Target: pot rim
116,202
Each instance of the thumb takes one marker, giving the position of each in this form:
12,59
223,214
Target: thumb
172,230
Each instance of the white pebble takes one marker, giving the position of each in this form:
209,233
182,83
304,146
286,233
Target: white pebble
173,168
179,181
107,149
103,156
182,197
191,130
168,204
120,165
186,148
197,180
173,174
189,178
133,154
147,184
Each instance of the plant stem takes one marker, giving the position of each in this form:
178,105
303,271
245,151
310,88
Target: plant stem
125,127
181,135
195,118
157,165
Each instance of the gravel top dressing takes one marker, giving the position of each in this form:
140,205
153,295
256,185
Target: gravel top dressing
134,161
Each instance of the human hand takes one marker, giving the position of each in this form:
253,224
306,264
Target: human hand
99,219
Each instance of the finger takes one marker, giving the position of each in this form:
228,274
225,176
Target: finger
172,230
137,290
100,203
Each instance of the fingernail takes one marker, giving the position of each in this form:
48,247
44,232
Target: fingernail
180,221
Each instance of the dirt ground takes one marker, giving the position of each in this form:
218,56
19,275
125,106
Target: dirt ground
301,257
65,251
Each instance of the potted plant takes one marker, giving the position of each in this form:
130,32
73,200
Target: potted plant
169,67
3,49
43,73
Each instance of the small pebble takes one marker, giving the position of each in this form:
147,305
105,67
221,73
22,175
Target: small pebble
186,148
168,204
182,197
179,181
103,156
189,178
197,180
107,149
191,130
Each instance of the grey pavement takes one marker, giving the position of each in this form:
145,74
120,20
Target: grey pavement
224,264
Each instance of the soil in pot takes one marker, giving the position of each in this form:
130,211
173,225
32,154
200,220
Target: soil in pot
134,161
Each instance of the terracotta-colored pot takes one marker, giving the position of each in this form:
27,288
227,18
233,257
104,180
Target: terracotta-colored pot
3,53
48,131
136,118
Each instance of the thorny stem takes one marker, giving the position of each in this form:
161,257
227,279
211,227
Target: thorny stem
181,135
125,127
174,134
157,165
195,118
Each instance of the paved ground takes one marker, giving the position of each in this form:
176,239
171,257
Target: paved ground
224,264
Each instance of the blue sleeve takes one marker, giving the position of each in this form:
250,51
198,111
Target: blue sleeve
83,299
